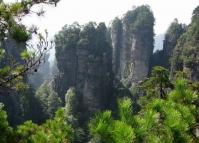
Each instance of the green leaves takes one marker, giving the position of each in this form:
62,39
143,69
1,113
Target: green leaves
25,55
4,72
49,100
181,93
19,33
122,133
160,121
6,131
104,128
101,125
16,8
55,130
125,111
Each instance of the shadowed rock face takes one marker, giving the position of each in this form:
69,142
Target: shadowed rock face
172,35
185,54
9,97
84,62
132,50
117,41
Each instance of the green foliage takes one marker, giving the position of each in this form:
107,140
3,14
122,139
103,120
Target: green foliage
19,33
6,132
55,130
104,128
176,114
125,111
122,133
12,28
157,84
89,32
4,71
49,100
161,120
101,126
69,36
90,35
25,55
139,19
166,120
182,94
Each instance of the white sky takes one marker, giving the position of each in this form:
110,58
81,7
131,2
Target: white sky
83,11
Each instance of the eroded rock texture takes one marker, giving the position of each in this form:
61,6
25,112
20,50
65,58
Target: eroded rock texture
87,56
132,40
185,55
84,62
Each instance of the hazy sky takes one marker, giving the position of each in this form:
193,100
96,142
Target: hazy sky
83,11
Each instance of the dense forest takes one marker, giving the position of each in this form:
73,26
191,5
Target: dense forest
106,84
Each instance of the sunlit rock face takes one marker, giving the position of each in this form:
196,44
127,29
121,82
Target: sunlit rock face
132,51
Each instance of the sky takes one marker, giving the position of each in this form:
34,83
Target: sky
83,11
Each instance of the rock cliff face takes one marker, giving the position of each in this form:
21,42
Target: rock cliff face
84,62
185,55
172,35
87,56
162,57
116,33
132,41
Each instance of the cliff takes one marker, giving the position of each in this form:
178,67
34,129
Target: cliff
90,57
185,55
94,61
132,41
162,57
84,62
172,35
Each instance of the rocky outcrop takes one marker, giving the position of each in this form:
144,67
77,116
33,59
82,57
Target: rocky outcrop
84,62
185,55
172,35
132,51
162,57
86,58
116,33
